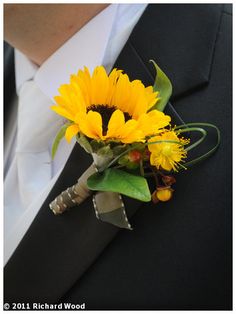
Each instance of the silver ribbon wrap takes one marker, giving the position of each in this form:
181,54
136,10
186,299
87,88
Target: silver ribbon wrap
109,206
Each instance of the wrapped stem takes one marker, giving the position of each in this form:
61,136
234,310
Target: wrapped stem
73,195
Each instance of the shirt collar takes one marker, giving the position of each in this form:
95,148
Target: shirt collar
24,69
98,42
86,47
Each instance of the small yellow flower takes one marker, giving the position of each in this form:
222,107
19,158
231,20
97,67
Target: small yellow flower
167,155
109,107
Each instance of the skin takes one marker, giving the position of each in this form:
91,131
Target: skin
38,30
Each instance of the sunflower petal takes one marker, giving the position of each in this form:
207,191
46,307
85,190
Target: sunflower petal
100,86
130,133
150,123
91,125
62,112
116,122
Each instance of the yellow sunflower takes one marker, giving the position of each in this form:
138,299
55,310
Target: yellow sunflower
109,107
167,155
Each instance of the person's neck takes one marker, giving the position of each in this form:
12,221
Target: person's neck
38,30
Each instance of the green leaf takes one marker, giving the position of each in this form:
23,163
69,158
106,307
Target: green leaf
58,138
163,85
105,152
96,145
119,181
119,149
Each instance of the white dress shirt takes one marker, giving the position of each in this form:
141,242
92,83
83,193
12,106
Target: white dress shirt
32,173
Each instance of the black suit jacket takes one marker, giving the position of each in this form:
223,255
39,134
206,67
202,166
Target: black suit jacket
179,254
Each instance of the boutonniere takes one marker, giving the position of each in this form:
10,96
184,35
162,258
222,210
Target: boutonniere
122,125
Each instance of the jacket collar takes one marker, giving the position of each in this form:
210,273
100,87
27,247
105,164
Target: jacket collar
180,38
56,251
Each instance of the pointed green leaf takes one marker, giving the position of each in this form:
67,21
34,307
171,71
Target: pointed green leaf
105,152
119,149
119,181
96,145
163,85
58,138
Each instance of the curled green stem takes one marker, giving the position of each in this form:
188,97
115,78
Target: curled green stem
195,127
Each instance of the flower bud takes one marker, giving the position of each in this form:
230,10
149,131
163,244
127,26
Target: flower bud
123,160
127,161
163,194
135,156
168,180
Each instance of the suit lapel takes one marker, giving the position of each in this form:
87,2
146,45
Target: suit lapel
180,38
56,251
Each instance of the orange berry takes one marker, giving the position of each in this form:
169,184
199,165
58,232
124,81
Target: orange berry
164,194
135,156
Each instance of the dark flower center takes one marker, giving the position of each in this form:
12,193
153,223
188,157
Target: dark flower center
106,113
